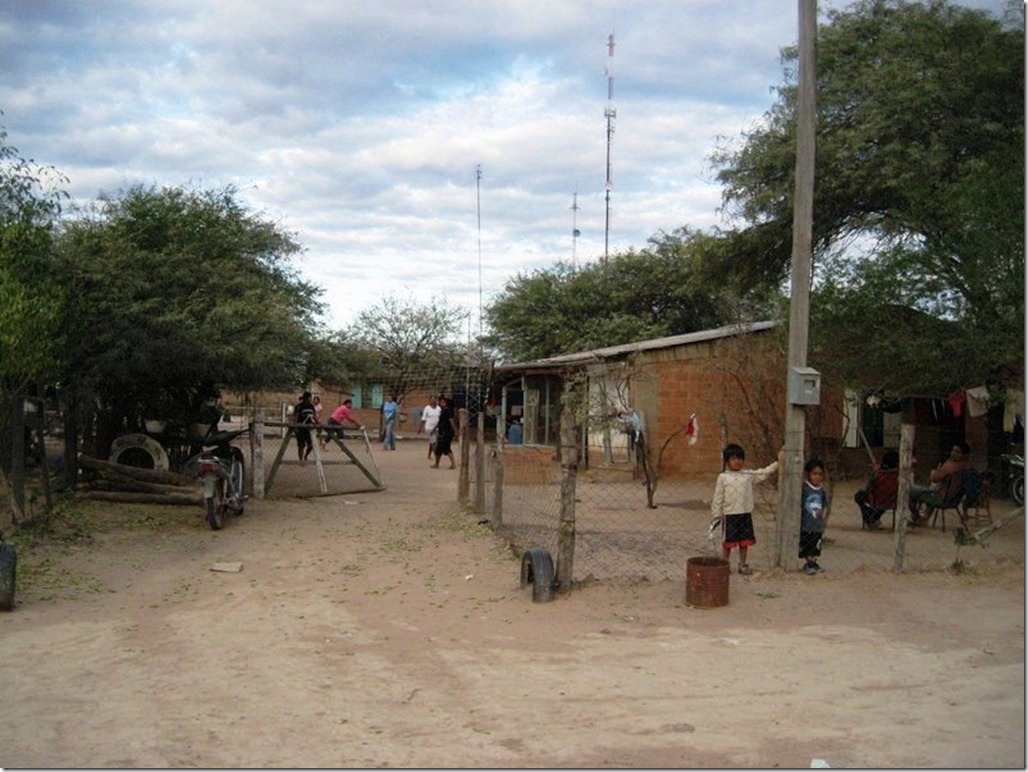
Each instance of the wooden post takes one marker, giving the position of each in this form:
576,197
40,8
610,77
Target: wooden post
463,482
568,483
480,465
903,495
322,482
257,453
497,458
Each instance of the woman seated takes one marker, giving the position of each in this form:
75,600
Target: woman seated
879,495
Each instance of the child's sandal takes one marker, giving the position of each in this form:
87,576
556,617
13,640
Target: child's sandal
745,570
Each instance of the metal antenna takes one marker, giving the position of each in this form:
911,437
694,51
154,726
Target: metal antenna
610,114
575,233
478,204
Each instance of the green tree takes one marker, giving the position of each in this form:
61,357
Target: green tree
635,295
919,195
30,202
407,344
173,294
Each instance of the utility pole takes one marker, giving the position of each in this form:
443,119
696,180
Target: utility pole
791,473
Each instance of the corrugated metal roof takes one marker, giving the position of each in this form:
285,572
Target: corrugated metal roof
613,352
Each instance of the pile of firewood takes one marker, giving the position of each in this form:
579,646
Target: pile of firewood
133,485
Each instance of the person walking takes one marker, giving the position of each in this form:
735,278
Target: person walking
732,504
304,415
318,410
430,423
389,410
446,430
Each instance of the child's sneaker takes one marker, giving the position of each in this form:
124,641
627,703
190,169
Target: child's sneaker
809,569
817,566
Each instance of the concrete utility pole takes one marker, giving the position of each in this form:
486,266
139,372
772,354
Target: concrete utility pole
799,309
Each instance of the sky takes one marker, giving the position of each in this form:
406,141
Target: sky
425,150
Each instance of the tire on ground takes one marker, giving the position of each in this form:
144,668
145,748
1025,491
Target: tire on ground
537,570
140,451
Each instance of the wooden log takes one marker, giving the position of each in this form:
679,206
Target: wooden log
127,497
147,475
116,481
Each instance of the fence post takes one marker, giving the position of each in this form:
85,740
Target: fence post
903,495
463,484
497,459
480,465
568,483
257,453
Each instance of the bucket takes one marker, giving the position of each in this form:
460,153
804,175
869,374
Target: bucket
706,582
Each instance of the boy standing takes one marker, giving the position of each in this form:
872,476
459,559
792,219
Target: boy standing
814,501
732,503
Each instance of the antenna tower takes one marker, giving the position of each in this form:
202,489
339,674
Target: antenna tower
478,208
610,114
575,233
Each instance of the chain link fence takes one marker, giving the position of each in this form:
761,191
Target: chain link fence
619,537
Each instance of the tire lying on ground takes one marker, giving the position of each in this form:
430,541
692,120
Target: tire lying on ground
537,570
140,451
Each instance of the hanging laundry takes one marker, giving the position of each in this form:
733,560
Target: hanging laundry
692,429
1013,409
956,402
977,401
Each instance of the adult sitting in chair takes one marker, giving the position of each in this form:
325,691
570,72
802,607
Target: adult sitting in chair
879,495
943,479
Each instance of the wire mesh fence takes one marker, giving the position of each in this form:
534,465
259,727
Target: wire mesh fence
619,537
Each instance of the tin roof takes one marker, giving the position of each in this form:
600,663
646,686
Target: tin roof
613,352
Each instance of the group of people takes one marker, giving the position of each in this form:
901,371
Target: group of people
438,422
307,413
732,503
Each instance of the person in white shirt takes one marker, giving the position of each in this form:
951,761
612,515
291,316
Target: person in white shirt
732,503
430,423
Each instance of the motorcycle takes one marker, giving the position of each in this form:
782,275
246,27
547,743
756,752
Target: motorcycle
221,471
1016,463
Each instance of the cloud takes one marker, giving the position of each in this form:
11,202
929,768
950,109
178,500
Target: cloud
359,125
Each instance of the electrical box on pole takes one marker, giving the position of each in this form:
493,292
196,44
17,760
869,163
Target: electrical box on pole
804,386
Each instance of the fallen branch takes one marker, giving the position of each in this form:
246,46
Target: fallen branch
963,536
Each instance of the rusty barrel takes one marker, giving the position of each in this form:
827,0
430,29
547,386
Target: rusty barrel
706,582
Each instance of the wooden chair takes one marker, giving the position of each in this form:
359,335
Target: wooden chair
980,505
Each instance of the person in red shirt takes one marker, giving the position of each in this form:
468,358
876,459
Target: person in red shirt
879,495
340,416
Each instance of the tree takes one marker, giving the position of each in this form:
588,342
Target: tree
30,202
173,294
635,295
919,196
412,343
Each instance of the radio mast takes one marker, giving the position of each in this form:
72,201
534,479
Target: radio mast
575,233
610,114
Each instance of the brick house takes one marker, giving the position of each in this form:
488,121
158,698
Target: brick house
731,379
734,380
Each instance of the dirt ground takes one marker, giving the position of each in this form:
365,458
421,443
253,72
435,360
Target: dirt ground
388,630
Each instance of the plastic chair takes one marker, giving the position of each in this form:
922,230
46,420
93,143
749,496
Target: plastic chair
981,504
